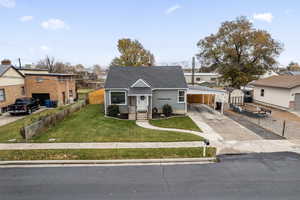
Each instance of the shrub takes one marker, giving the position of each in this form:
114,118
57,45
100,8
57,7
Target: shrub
167,110
113,110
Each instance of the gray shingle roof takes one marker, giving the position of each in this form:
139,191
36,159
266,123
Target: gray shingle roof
156,76
3,69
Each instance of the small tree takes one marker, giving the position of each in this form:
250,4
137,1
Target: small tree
167,110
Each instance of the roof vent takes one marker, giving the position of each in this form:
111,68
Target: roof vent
6,62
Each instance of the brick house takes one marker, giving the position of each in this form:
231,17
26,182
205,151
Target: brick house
53,86
11,85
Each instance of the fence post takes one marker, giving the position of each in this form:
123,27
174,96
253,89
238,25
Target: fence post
283,128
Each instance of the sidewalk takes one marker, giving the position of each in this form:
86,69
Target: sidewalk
104,145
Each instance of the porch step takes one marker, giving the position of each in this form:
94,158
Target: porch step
142,116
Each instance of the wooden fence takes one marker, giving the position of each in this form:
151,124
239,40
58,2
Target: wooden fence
43,124
96,97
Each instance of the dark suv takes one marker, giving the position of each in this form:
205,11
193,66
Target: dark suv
24,106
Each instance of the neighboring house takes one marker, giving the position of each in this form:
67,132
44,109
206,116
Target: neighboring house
11,85
278,91
139,90
51,86
32,71
202,77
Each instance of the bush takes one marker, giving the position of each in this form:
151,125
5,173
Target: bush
113,110
167,110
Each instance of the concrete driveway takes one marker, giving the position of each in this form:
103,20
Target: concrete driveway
6,118
227,128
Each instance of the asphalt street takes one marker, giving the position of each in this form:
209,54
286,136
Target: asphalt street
251,176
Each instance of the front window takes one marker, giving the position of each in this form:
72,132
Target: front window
262,92
181,96
198,79
118,98
2,95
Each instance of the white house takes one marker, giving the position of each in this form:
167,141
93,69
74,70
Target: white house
278,91
202,77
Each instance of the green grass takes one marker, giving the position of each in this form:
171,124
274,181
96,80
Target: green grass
90,125
176,122
12,130
105,154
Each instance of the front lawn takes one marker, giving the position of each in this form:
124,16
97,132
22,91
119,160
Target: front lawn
176,122
105,154
90,125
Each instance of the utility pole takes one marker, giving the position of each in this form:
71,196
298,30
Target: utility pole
20,65
193,71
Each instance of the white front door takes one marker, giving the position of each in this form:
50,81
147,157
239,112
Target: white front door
142,103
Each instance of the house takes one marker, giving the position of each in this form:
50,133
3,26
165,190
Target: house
139,90
32,71
278,91
51,86
11,85
202,77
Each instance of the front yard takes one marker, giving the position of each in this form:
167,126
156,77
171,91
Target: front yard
176,122
105,154
90,125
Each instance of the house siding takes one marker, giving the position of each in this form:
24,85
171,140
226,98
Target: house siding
162,97
52,85
279,97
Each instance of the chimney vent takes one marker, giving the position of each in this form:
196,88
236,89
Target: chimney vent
6,62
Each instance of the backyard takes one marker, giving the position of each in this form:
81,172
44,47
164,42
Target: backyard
90,125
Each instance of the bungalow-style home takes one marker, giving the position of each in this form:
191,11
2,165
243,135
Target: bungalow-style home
11,85
51,86
278,91
140,90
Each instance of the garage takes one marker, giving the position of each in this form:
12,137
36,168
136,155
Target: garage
204,95
297,101
42,97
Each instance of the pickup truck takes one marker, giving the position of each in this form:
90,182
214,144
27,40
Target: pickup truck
24,106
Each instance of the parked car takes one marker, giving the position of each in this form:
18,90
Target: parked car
24,106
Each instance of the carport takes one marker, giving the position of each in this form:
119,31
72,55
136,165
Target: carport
204,95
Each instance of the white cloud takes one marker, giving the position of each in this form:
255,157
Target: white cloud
8,3
45,48
54,24
267,17
172,9
26,18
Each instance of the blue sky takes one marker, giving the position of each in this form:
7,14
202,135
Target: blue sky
86,31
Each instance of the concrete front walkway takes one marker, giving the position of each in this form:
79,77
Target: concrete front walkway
205,134
104,145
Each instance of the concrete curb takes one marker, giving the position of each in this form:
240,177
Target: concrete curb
109,162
